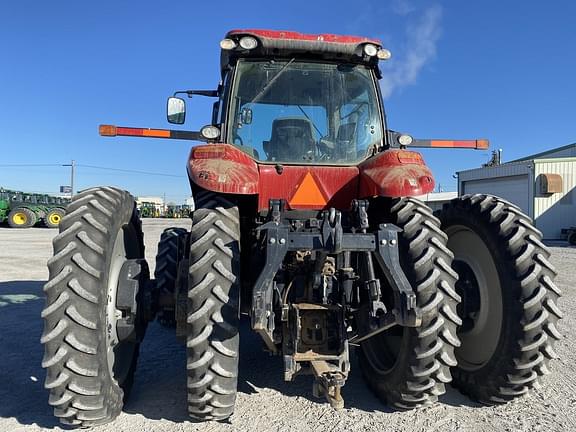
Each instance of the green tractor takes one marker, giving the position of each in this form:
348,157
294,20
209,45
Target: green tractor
25,210
55,211
4,206
173,211
148,210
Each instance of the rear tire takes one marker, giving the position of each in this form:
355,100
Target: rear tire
53,217
509,307
87,377
22,217
171,250
408,367
213,308
572,238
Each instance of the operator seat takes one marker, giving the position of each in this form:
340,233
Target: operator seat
291,140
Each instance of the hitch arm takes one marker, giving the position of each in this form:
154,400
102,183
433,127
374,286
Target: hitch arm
112,131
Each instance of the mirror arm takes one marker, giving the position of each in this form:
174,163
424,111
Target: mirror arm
208,93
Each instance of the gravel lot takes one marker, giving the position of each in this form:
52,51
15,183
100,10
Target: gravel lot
265,402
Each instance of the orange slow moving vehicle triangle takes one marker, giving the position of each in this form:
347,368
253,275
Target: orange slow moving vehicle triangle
308,194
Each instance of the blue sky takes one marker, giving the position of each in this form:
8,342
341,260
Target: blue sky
498,70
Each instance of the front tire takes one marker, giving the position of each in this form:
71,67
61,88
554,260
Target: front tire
509,307
87,375
170,252
408,367
213,308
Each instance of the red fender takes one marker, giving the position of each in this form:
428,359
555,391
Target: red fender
395,173
223,168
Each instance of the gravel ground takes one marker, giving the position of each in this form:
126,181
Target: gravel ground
265,402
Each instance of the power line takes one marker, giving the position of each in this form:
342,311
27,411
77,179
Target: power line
130,171
27,165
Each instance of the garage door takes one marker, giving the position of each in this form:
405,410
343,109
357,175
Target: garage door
514,189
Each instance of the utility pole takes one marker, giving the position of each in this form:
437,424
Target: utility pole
72,169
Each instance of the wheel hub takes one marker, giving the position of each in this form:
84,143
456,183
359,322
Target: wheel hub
54,219
480,289
133,300
19,218
469,291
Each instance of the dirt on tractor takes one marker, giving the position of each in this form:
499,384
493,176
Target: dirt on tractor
304,224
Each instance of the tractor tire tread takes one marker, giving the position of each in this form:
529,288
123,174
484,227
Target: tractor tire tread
81,389
213,305
430,355
170,252
528,346
31,217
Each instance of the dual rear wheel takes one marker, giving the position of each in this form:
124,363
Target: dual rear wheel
505,298
509,300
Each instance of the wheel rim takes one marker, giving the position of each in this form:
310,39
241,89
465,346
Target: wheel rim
19,218
119,354
382,350
481,292
54,218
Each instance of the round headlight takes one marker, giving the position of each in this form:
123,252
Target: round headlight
405,140
248,42
210,132
227,44
384,54
370,50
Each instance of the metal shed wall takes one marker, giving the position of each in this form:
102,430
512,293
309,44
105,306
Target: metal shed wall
511,181
515,189
552,212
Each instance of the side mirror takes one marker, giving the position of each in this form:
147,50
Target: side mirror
176,110
246,116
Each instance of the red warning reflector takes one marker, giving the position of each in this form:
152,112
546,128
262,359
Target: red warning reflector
308,194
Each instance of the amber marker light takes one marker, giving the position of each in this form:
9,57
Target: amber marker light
482,144
107,130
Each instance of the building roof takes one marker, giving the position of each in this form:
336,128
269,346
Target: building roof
546,153
438,196
565,153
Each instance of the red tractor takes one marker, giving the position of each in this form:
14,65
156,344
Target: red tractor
304,221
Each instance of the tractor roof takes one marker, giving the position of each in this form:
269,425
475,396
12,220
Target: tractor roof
289,44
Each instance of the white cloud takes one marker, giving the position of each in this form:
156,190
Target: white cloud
402,7
422,35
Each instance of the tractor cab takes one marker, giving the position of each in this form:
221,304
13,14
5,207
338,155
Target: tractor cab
301,112
290,98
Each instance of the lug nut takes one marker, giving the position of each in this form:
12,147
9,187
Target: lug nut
392,242
272,240
282,240
383,242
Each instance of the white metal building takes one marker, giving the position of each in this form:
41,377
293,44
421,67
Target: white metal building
435,200
541,184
